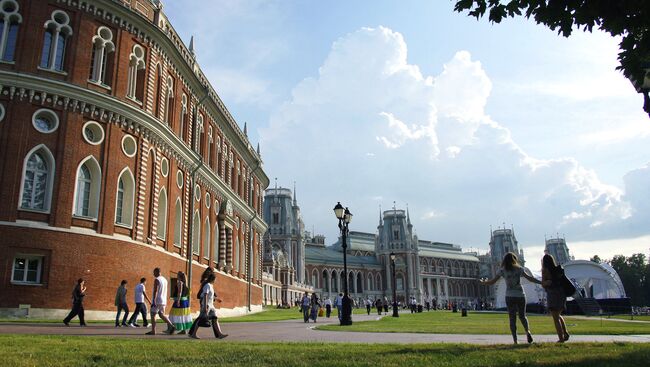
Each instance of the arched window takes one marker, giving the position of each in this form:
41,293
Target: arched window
124,199
196,233
351,282
158,91
371,285
9,21
87,189
206,238
57,31
199,132
135,82
378,283
359,288
335,282
215,243
181,130
326,283
400,282
178,222
208,146
169,101
161,229
38,175
314,278
102,46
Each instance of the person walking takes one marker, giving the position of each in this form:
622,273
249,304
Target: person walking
512,272
338,303
386,305
380,306
120,302
208,311
159,303
305,303
78,294
328,307
315,306
180,315
368,305
139,296
552,274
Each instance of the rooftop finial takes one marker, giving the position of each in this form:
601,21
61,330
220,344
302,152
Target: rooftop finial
276,185
408,216
380,219
192,47
258,149
295,202
245,129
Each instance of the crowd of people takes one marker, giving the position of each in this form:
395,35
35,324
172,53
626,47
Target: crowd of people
180,317
312,307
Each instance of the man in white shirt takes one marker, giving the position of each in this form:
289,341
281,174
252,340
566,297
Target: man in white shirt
140,306
368,305
159,303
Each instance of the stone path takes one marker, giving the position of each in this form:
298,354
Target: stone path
298,331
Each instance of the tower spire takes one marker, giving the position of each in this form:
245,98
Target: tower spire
258,149
192,47
295,202
245,129
380,219
408,215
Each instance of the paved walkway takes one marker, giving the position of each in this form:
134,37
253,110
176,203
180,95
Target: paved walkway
298,331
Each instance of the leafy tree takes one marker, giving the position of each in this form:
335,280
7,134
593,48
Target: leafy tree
629,19
634,271
596,259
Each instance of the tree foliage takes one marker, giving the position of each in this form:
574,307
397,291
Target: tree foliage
634,272
629,19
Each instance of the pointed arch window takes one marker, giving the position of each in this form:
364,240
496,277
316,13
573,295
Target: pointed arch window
124,199
103,46
38,173
181,130
87,189
199,131
178,223
169,101
161,229
9,21
206,239
208,146
135,82
196,233
57,31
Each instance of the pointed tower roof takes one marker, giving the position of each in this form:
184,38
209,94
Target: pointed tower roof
381,220
245,129
192,47
295,201
408,216
258,149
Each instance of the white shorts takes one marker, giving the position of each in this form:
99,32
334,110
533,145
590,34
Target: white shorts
158,309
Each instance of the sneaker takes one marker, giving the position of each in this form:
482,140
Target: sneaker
150,333
131,325
530,338
124,324
222,336
116,325
66,323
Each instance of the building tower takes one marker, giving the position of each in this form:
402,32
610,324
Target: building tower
558,249
395,234
502,241
284,242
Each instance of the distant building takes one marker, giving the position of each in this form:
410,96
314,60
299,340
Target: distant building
284,249
425,270
558,248
502,241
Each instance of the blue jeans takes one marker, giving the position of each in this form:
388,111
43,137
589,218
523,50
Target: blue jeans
305,313
340,312
120,307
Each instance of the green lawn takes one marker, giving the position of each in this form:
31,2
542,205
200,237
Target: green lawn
443,322
269,314
276,314
22,350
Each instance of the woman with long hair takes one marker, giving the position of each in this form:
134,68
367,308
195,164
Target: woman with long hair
512,272
555,296
181,315
208,311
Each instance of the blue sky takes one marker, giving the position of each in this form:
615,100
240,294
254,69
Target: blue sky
471,124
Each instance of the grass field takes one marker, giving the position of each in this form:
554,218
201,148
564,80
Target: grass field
269,314
441,322
46,351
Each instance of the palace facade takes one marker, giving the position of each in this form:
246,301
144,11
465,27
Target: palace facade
117,156
424,269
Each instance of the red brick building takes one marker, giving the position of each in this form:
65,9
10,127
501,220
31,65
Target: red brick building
117,156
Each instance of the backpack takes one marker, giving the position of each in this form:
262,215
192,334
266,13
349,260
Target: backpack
560,280
200,294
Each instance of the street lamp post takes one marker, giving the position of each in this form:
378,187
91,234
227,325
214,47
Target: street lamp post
392,267
345,217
